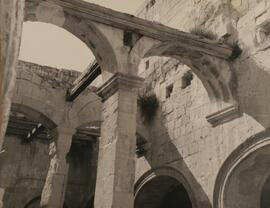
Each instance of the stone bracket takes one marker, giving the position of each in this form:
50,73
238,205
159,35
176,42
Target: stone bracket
224,115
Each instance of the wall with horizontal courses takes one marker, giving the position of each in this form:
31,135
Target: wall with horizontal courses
24,166
180,136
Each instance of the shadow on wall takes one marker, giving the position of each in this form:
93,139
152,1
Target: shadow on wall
165,154
254,98
82,159
254,88
244,172
253,73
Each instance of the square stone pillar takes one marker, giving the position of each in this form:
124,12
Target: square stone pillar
11,20
116,165
53,194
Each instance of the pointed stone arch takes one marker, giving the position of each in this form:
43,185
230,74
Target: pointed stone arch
242,177
168,180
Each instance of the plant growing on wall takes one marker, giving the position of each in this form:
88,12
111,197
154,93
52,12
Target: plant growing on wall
237,51
148,104
204,33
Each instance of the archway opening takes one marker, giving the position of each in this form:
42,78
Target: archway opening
28,134
247,183
162,192
50,45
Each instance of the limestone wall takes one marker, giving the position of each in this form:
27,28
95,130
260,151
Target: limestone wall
40,97
23,170
180,136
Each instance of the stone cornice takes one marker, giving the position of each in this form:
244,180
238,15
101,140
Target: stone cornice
118,81
224,115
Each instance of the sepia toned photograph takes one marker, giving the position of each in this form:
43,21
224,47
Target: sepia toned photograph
134,104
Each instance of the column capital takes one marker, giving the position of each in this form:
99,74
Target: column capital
119,81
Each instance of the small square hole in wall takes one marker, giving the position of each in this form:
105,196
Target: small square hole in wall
186,79
147,64
169,90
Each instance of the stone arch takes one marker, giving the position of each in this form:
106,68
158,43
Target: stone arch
33,114
86,31
29,94
242,177
85,111
33,203
216,74
169,182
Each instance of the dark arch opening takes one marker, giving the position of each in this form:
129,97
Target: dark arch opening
90,203
265,199
162,192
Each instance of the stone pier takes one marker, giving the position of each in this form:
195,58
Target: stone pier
53,194
11,19
115,176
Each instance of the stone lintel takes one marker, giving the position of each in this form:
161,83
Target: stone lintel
119,81
224,115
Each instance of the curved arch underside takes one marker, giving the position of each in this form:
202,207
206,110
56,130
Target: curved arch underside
216,74
33,114
162,192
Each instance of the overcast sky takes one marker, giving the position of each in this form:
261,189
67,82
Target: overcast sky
47,44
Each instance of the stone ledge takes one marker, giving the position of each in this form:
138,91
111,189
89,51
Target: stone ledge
224,115
118,81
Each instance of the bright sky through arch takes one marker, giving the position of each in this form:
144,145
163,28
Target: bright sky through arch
50,45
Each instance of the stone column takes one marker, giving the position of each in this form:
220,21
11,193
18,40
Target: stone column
11,19
116,165
53,194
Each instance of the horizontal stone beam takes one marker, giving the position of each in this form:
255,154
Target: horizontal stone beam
126,22
83,81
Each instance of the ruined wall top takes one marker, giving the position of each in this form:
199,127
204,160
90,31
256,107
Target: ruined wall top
57,78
